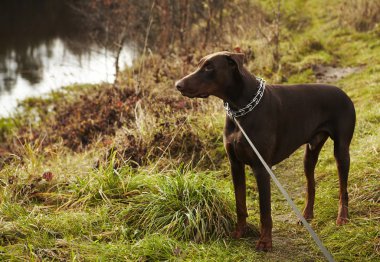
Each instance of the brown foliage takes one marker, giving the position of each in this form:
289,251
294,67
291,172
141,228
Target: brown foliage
102,114
363,15
170,23
78,123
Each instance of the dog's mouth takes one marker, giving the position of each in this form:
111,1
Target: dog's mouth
194,95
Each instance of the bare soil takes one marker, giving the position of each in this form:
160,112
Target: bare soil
330,74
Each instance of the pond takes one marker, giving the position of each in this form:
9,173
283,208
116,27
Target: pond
45,45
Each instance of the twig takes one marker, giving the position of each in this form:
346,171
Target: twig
146,39
120,45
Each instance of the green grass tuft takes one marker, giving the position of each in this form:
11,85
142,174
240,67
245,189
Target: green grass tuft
186,206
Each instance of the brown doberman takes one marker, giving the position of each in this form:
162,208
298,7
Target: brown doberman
279,122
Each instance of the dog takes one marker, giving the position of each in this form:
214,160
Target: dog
278,119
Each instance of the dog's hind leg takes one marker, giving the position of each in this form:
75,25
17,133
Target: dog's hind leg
342,157
310,160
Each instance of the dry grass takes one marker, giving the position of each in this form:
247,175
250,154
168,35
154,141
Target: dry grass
363,15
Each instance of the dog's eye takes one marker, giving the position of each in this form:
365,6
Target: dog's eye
208,68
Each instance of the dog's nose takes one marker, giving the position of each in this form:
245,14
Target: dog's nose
180,85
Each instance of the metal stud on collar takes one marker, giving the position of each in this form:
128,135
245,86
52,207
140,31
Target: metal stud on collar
251,105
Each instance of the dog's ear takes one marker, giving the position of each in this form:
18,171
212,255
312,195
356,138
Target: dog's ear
237,59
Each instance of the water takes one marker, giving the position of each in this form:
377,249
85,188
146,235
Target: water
43,46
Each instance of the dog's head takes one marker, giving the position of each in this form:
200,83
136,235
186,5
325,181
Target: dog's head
218,74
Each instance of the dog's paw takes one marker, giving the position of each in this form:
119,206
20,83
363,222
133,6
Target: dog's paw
308,218
264,245
248,230
341,221
237,233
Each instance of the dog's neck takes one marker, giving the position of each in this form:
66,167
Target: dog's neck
242,93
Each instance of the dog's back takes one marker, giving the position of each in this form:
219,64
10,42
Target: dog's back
304,111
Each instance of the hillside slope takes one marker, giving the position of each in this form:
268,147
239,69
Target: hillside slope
138,173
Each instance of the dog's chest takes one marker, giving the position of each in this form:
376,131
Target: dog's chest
238,146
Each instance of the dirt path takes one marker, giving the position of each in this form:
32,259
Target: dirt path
330,74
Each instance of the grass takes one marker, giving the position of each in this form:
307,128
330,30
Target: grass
151,182
185,206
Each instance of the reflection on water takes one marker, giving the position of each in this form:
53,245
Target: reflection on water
44,45
49,68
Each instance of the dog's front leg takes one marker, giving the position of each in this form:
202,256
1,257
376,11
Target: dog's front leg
263,184
238,177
